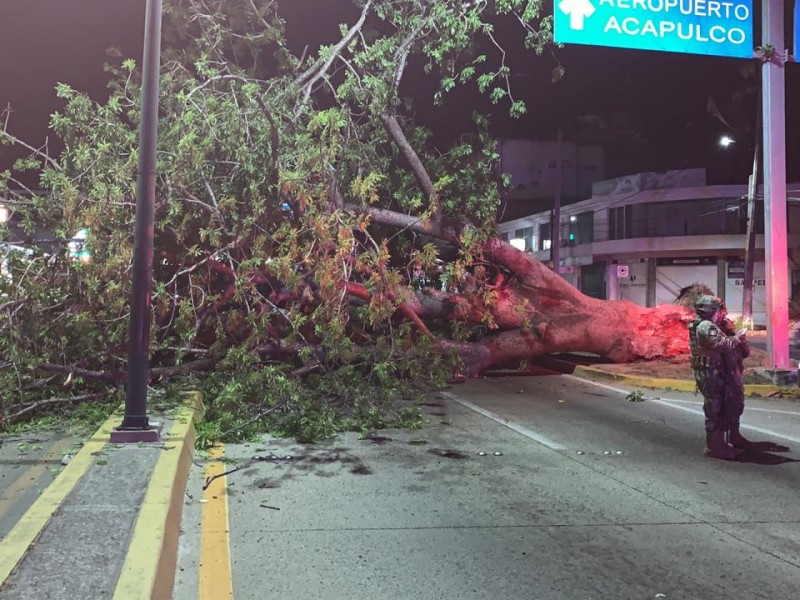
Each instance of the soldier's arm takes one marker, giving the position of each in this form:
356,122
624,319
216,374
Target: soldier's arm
745,348
710,336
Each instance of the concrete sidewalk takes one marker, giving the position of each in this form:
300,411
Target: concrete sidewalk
107,526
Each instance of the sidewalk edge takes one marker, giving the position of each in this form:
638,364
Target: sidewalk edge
27,530
681,385
151,560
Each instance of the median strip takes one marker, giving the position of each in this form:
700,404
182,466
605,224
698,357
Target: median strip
149,568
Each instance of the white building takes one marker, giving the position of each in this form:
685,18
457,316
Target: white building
644,237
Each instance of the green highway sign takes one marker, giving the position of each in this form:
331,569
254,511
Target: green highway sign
718,28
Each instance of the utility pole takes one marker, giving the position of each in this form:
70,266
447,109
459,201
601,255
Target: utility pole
775,236
750,244
555,234
135,424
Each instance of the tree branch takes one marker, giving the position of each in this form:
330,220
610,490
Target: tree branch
36,151
37,405
307,79
360,291
402,51
413,160
443,231
85,373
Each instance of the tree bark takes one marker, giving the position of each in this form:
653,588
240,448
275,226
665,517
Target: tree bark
538,312
412,158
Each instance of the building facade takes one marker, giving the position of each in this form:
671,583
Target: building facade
537,177
644,237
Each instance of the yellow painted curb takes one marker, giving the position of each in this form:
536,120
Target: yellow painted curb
149,568
682,385
14,546
766,390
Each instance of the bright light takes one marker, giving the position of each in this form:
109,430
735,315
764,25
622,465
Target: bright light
573,218
726,141
518,243
77,247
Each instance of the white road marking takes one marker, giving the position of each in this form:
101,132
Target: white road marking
507,423
669,403
746,408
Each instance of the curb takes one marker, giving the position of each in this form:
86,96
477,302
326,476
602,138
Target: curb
681,385
151,561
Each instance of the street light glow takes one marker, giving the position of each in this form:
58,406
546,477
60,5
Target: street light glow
726,141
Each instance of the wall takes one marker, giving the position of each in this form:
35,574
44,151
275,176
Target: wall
533,166
671,278
629,185
634,287
734,290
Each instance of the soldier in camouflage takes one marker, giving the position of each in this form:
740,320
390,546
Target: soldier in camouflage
734,388
714,355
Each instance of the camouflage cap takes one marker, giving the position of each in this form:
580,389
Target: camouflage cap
707,305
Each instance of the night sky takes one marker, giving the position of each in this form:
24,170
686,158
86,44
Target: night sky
648,108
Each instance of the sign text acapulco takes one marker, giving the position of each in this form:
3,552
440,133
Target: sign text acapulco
715,27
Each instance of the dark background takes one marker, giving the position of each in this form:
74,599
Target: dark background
649,109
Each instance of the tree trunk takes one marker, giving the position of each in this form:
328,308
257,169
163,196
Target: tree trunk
538,312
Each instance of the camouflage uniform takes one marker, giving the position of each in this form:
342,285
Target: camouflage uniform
734,383
716,359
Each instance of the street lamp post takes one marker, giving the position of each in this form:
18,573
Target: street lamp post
135,426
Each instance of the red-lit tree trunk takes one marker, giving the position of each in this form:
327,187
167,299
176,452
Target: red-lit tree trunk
537,312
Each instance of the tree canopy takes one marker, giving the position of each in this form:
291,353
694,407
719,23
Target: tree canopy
314,249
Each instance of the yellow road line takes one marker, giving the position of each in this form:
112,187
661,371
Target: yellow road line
215,555
25,532
12,493
149,568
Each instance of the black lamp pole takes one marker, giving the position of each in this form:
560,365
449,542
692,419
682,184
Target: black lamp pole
139,341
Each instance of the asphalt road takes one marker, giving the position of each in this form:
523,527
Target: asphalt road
543,487
28,464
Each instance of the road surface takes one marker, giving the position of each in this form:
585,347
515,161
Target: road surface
28,464
545,487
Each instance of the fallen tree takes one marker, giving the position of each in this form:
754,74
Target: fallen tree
306,229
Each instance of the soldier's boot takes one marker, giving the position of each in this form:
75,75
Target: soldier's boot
736,439
716,447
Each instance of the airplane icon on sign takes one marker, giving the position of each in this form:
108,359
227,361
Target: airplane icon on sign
577,10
